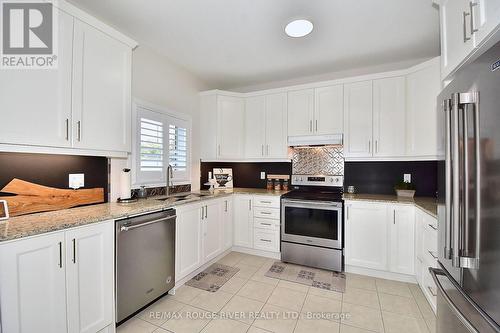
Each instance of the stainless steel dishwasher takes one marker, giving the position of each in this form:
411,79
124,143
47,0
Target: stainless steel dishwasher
145,260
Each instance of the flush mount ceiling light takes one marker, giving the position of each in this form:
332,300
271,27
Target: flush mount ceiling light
299,28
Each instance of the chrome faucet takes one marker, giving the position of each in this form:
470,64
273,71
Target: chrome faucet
170,175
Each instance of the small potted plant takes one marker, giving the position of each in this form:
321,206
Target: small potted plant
405,190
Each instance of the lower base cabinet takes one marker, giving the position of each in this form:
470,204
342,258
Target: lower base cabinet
243,220
60,282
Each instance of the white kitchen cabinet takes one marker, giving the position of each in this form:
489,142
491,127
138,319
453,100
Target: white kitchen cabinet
358,119
227,222
33,285
49,283
230,127
300,112
255,127
389,117
265,127
243,220
366,235
101,90
457,39
36,104
485,15
423,87
329,110
90,277
402,239
188,252
208,127
212,229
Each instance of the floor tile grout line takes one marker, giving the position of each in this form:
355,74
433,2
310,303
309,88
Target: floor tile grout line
380,305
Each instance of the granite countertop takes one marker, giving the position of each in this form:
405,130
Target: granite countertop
39,223
428,204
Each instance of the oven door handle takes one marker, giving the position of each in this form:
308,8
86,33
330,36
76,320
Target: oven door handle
312,203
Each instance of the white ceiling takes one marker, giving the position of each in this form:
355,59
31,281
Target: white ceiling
234,43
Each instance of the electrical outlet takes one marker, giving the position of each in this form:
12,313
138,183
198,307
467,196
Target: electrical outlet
262,175
407,178
76,180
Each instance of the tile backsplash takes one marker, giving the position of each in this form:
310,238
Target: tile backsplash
328,160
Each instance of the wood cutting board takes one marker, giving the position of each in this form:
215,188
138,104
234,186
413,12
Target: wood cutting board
34,198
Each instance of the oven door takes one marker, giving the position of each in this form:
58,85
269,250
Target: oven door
312,222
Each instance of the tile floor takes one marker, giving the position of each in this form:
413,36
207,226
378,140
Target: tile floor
251,302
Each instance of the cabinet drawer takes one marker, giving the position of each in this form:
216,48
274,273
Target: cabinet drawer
269,224
267,240
430,238
429,287
267,202
267,213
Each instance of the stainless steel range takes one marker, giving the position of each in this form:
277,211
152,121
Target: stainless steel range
312,222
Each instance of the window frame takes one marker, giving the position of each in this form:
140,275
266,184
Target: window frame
142,109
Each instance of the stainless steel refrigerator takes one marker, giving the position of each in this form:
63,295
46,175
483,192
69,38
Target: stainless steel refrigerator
468,280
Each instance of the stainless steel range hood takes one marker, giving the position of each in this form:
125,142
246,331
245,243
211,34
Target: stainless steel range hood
315,140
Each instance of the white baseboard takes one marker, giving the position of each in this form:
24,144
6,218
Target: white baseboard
267,254
380,274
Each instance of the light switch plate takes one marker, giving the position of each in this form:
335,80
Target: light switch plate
262,175
407,178
76,180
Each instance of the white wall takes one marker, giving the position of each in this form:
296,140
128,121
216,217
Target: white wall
157,80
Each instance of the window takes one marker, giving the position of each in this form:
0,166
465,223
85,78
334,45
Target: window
161,139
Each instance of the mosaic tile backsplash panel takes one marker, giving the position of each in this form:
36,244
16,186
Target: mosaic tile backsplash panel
318,161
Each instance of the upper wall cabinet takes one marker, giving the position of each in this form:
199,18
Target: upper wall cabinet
301,112
265,126
315,111
358,118
84,103
36,104
222,127
389,117
101,90
423,86
465,24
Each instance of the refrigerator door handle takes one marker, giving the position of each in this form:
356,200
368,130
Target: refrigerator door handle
448,178
456,311
455,186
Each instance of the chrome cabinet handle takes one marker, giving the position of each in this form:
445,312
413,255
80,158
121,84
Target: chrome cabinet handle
250,204
206,211
266,240
60,255
473,28
465,26
79,130
74,250
316,125
433,227
225,209
347,212
265,213
267,150
262,223
376,146
202,208
431,291
218,147
369,146
310,125
394,216
67,129
432,254
262,150
266,202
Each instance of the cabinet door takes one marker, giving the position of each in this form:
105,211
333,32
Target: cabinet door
32,285
486,17
212,230
300,112
230,127
90,267
188,240
276,127
35,105
101,91
329,110
243,221
402,224
358,117
457,41
255,127
389,117
419,234
208,127
423,87
227,223
366,235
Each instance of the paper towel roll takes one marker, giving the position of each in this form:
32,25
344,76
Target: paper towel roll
125,188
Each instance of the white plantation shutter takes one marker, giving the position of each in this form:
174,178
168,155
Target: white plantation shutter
161,140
